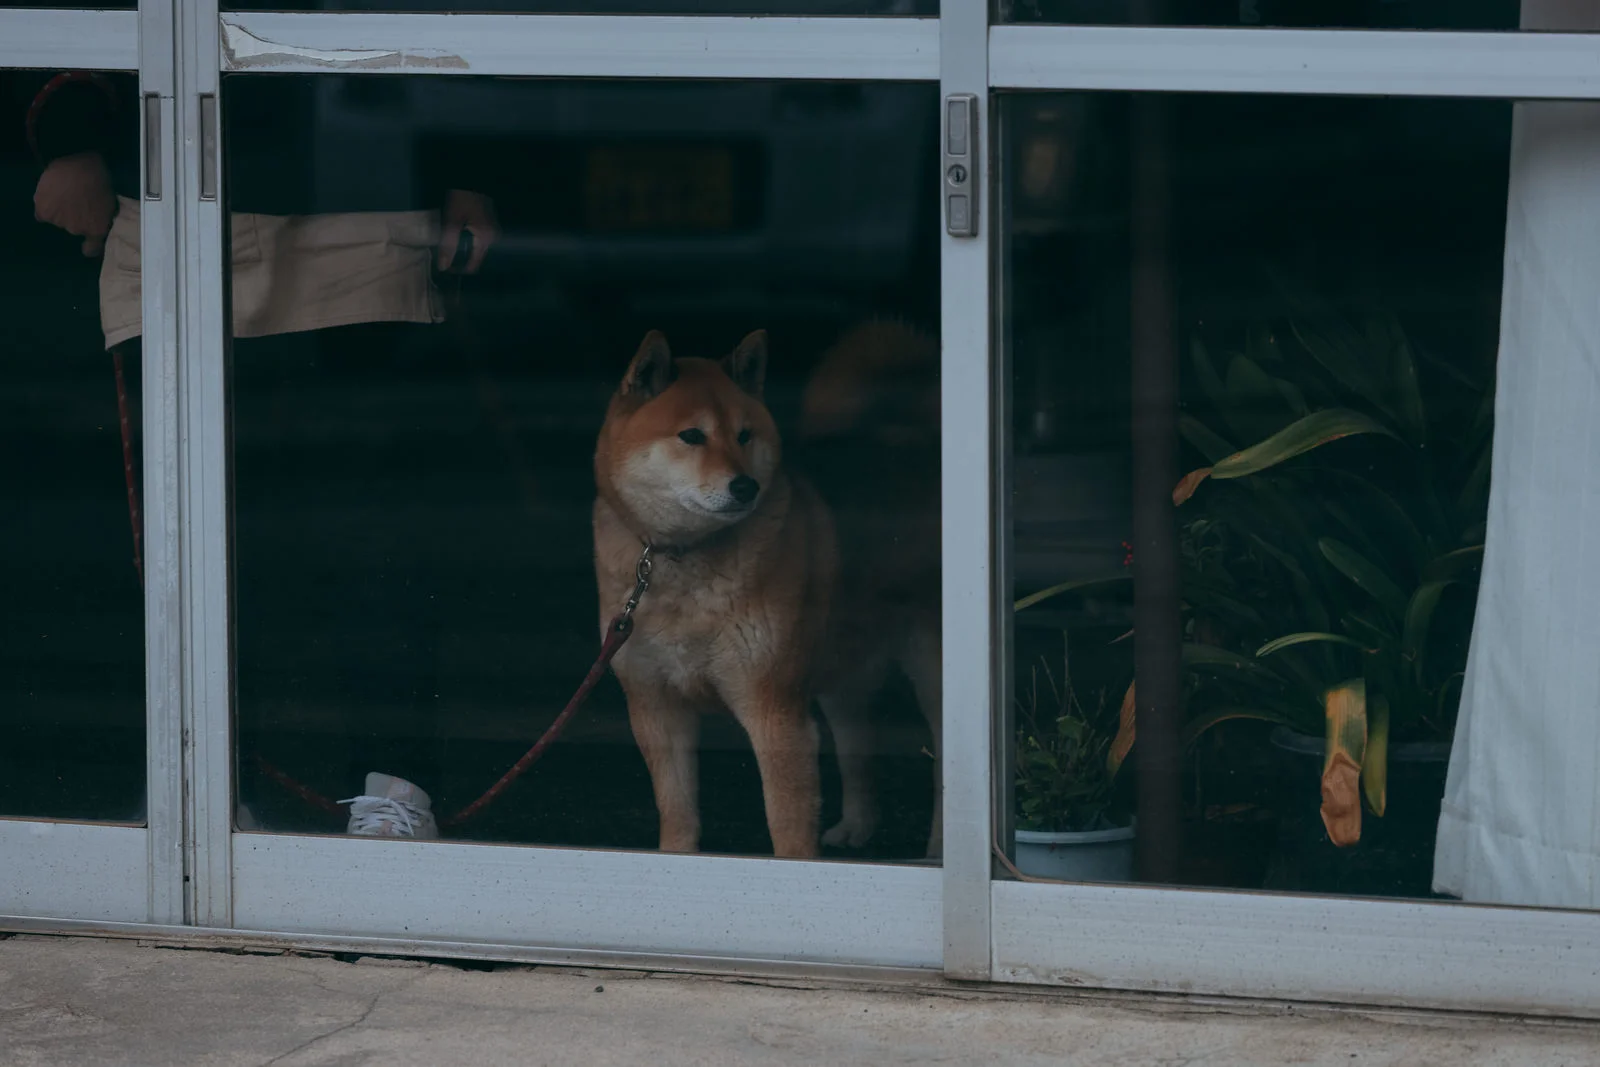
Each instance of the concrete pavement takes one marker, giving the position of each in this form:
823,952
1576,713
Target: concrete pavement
86,1003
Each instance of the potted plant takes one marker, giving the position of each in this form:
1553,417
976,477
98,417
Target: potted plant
1069,824
1330,590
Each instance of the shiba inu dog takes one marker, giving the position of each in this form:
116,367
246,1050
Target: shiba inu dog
756,605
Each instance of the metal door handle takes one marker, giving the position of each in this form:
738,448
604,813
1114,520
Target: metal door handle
961,165
208,146
152,146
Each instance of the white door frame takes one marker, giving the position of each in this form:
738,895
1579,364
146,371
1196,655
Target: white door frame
519,898
104,871
1397,952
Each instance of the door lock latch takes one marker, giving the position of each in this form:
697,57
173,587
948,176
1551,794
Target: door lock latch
961,165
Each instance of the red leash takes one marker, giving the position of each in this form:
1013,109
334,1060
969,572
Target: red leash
127,462
617,633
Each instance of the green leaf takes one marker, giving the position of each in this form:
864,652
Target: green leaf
1067,587
1364,574
1346,353
1196,654
1206,373
1207,596
1265,522
1454,564
1375,761
1450,368
1483,419
1247,381
1227,666
1408,392
1394,521
1442,701
1292,396
1474,498
1303,435
1204,440
1223,406
1337,348
1261,345
1315,609
1419,617
1381,331
1306,637
1197,726
1358,526
1363,625
1254,404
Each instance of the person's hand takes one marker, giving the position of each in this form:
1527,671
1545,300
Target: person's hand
467,211
75,193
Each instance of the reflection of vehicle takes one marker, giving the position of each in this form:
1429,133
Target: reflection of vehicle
810,186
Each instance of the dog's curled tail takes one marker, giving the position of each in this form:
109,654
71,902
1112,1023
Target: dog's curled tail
880,381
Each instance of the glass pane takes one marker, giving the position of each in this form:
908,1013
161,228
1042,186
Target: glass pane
1302,14
72,615
880,8
1322,278
415,454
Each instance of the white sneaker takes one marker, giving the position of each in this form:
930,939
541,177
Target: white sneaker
391,807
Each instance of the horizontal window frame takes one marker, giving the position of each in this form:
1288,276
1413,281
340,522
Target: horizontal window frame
52,39
581,899
52,868
581,46
1512,66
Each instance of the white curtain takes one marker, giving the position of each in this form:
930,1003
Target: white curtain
1521,817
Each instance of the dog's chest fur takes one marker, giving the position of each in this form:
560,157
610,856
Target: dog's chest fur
706,616
699,623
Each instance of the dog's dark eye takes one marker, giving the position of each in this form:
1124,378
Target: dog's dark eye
744,437
693,437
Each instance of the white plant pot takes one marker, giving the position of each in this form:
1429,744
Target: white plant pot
1086,856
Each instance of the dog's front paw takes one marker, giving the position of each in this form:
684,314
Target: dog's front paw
852,831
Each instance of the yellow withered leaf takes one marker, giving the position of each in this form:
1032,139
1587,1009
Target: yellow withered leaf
1346,710
1122,744
1341,800
1188,484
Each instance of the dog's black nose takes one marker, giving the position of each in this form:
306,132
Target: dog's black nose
744,488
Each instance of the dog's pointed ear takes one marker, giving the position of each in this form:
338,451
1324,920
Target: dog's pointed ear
747,364
652,369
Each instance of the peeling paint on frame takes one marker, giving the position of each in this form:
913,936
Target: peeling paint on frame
243,50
